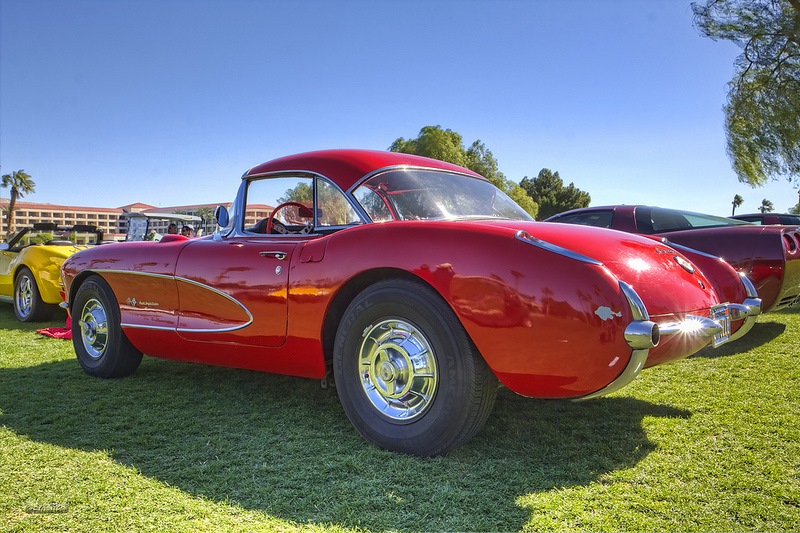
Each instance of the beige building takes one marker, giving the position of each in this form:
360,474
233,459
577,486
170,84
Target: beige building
28,213
113,221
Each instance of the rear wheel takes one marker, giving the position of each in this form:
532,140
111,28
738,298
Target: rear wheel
28,303
102,348
408,376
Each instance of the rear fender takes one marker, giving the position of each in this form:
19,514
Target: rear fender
548,325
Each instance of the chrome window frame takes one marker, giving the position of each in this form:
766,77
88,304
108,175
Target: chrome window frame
240,204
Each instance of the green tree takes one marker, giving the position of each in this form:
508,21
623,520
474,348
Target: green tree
737,202
303,193
762,115
547,189
447,145
40,238
436,143
332,207
208,222
205,212
19,183
766,206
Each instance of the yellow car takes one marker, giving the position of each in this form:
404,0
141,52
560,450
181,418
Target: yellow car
30,266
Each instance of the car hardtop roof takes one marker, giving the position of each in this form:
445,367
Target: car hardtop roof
346,167
634,207
598,208
168,216
763,215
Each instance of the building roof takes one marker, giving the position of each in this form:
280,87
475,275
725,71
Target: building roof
56,207
130,208
185,207
138,206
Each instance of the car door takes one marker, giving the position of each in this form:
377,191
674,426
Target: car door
234,290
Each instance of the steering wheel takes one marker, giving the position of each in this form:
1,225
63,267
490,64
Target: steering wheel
302,210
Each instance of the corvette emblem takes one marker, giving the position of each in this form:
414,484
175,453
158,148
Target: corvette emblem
606,313
133,302
686,265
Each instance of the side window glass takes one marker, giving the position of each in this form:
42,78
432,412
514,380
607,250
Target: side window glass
333,209
373,204
292,195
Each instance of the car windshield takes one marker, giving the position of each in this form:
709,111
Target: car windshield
657,220
153,227
433,195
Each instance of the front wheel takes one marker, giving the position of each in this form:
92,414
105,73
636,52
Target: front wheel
102,348
408,376
28,303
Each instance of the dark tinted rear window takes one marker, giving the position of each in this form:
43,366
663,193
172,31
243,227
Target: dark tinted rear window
598,219
659,220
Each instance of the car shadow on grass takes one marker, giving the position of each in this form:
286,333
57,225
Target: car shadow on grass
283,446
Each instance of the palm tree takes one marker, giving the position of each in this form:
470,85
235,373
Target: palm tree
766,206
737,202
207,214
20,184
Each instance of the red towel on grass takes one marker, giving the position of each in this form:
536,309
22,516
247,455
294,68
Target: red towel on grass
58,333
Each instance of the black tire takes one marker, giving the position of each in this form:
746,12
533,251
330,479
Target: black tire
28,303
408,376
102,348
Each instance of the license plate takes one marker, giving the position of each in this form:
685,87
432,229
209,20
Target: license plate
722,315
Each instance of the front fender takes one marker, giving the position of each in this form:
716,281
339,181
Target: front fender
45,262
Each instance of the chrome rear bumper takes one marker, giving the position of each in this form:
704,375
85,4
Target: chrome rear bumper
717,327
642,334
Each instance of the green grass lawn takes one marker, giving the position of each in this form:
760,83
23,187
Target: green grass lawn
710,443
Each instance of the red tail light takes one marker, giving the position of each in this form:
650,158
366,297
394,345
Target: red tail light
790,242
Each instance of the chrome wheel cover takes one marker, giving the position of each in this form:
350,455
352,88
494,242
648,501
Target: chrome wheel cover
93,322
397,369
24,296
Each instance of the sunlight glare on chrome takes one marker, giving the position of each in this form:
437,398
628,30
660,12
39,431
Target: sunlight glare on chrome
690,326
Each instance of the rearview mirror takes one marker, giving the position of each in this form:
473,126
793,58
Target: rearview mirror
3,246
222,216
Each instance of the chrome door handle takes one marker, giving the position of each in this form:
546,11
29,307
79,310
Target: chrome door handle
280,256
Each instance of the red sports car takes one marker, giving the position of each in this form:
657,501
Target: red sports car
768,255
415,282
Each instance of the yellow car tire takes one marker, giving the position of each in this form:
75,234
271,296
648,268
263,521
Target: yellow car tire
28,304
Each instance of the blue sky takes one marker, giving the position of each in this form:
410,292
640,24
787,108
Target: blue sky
110,102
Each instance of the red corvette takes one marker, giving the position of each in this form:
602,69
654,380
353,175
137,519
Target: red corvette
416,282
768,255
